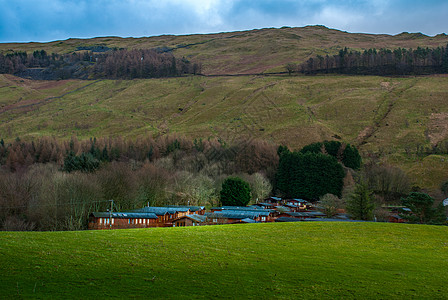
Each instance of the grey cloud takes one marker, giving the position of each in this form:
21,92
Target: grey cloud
45,20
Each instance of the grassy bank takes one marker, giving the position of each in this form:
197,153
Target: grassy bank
295,260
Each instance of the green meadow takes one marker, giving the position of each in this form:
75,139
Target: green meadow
313,260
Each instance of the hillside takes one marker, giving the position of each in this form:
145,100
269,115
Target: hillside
314,260
394,118
387,116
245,52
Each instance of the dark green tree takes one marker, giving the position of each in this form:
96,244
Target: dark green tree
445,60
360,203
282,150
198,145
105,154
84,162
175,145
444,188
235,192
313,148
421,205
347,154
351,158
332,148
70,162
309,175
94,150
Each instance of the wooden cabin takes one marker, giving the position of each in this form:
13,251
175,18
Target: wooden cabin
297,204
118,220
396,219
266,205
142,217
197,210
167,214
274,200
302,215
231,216
190,220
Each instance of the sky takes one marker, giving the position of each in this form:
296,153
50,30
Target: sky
49,20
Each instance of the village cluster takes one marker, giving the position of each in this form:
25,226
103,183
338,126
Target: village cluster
272,209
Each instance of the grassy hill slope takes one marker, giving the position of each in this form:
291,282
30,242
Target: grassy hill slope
295,260
384,115
246,52
375,112
389,116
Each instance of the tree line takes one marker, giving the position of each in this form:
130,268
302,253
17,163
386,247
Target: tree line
246,156
315,170
50,184
85,64
374,61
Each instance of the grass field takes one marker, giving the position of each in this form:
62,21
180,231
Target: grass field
277,260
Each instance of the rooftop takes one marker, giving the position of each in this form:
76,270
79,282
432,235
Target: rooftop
124,215
160,211
237,214
195,217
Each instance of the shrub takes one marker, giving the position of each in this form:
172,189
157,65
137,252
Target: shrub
309,175
444,188
345,153
85,162
360,203
235,192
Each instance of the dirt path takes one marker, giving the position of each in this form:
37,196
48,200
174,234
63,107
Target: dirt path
390,100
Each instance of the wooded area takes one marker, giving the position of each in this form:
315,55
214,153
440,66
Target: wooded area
39,191
87,64
373,61
50,184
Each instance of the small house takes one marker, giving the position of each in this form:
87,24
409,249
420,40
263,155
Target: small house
302,215
266,205
119,220
298,204
190,220
274,200
232,216
167,214
396,219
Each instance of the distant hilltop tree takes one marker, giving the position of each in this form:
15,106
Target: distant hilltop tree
373,61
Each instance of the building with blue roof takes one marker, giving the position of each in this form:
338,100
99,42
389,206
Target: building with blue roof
231,216
190,220
120,220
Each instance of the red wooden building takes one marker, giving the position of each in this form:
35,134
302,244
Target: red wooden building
118,220
142,217
190,220
302,215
